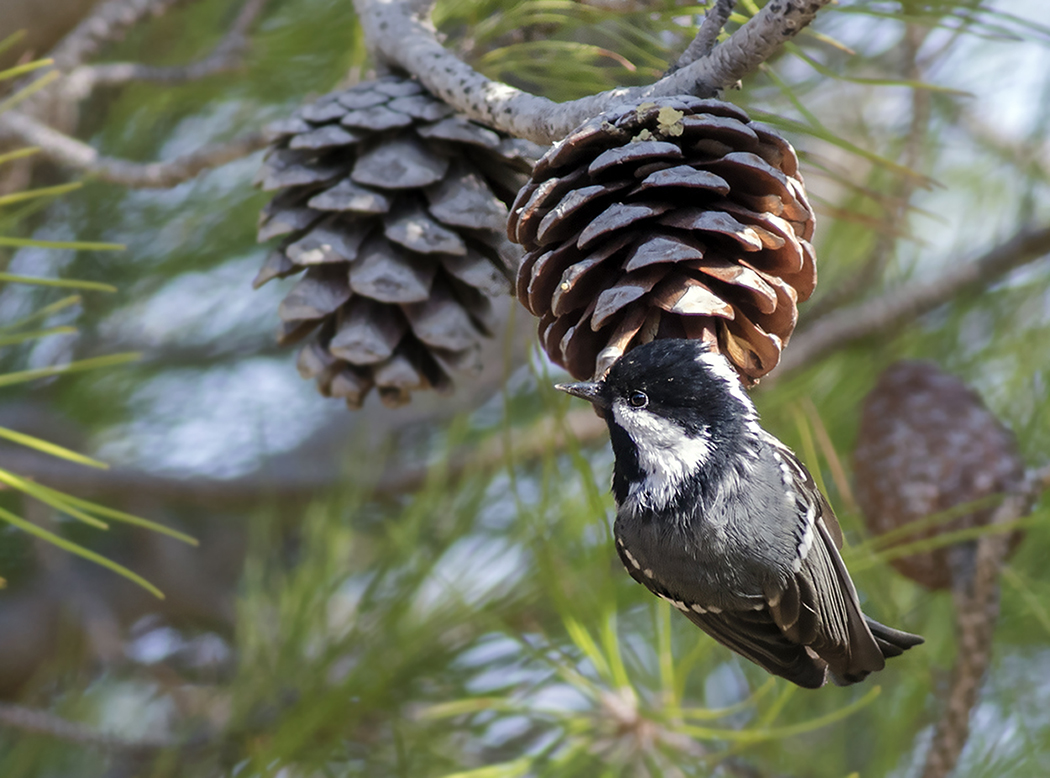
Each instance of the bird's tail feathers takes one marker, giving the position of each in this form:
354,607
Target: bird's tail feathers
892,642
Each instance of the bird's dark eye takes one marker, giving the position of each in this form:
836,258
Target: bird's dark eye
638,399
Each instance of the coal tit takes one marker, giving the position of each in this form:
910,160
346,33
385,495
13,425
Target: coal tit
719,518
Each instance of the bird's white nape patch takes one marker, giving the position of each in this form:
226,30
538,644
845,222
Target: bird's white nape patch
666,453
720,368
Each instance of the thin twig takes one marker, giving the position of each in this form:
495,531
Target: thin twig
227,55
406,40
72,153
107,23
293,483
707,36
900,306
976,613
42,722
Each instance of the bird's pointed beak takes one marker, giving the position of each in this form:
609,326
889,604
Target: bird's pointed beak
588,390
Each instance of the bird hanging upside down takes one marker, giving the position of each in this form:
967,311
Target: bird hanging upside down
722,520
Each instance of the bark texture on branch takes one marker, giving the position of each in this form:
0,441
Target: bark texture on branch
707,36
402,37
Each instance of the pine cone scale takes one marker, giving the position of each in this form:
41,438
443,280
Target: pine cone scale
664,247
387,275
377,117
319,293
629,288
348,196
367,332
402,163
684,176
617,217
324,138
638,152
411,226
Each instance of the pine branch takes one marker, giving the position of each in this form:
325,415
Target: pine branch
298,482
106,24
227,55
900,306
976,613
41,722
77,155
707,36
403,38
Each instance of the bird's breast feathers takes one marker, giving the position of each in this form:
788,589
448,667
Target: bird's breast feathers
667,456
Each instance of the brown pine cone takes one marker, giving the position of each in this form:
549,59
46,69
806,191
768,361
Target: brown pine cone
396,208
928,444
677,218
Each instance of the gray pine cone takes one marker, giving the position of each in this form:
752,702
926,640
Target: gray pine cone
671,218
395,208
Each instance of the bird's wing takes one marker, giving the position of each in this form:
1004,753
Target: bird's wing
819,606
756,636
751,633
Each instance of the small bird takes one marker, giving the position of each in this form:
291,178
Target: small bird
722,520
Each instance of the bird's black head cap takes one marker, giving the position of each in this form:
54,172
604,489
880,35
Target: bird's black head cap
682,380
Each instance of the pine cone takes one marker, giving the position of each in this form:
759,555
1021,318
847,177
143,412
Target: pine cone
396,209
678,218
927,444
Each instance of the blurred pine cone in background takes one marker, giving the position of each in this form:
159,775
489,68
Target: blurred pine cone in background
395,208
927,443
674,218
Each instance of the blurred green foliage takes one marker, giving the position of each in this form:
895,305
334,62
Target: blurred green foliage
479,625
24,331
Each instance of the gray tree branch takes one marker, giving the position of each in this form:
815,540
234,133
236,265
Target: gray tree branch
41,722
976,600
227,55
900,306
402,37
707,36
79,156
292,480
106,24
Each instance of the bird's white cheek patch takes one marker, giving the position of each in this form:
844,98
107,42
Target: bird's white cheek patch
665,452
